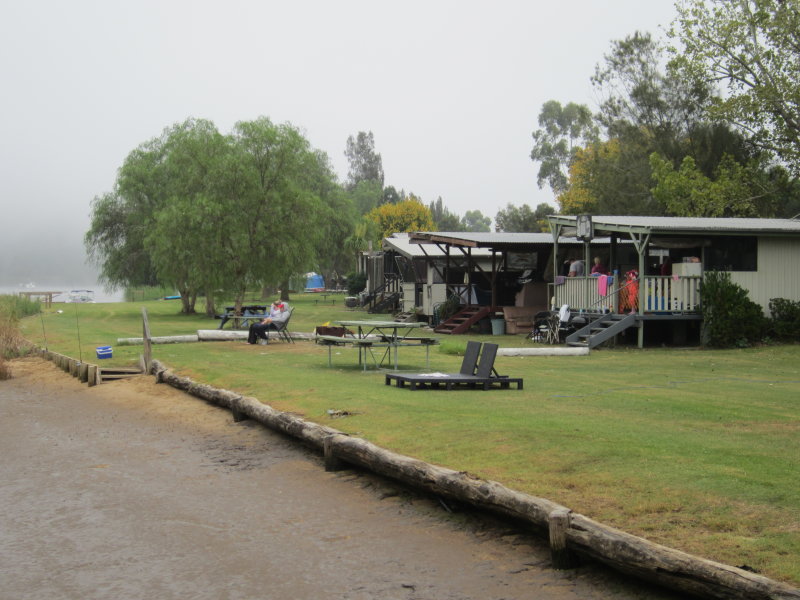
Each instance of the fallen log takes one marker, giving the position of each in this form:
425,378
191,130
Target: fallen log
554,351
220,335
164,339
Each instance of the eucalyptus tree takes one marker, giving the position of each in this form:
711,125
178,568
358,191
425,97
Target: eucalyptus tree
563,129
475,220
753,48
365,163
521,219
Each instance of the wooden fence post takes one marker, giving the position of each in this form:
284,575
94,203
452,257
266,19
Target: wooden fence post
83,372
562,557
146,341
331,462
236,411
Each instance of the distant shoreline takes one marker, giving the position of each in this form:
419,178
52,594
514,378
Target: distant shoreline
100,295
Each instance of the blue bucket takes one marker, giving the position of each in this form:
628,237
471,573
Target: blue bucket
104,352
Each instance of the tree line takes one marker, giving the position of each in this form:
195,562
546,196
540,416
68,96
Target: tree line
665,139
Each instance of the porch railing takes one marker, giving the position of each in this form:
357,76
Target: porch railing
661,294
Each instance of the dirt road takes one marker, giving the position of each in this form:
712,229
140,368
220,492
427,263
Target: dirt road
135,490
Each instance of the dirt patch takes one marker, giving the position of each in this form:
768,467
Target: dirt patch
133,489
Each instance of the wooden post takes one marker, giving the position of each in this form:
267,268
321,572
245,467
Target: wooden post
83,372
562,557
331,462
92,374
238,415
146,340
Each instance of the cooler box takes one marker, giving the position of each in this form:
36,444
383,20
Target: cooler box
104,352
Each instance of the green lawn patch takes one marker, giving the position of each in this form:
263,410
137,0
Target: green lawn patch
696,449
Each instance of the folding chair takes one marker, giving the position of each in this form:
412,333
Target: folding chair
540,332
282,328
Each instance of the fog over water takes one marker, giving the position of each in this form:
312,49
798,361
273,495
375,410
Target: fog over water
450,89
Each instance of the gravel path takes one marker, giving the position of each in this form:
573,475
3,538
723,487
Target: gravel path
135,490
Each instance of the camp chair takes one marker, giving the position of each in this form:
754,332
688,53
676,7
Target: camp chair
282,328
542,330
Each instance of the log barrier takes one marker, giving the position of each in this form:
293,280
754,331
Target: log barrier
571,535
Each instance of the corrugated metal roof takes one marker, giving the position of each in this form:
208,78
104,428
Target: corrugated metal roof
491,239
399,242
692,224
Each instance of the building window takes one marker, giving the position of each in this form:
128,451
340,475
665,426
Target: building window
728,253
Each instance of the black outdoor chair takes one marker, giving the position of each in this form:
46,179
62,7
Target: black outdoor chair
483,376
545,328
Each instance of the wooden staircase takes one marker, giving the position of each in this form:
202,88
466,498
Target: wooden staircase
602,329
385,303
463,320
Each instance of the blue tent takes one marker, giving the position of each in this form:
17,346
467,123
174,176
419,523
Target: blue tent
314,282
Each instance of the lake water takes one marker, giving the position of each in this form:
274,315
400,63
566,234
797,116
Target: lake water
100,295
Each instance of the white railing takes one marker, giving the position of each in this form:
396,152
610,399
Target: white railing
662,294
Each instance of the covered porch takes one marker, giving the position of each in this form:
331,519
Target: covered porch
654,267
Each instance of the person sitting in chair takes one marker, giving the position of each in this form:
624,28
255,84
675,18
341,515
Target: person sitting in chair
278,314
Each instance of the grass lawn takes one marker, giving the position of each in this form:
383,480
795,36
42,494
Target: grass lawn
695,449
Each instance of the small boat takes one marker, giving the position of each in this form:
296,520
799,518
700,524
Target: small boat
82,296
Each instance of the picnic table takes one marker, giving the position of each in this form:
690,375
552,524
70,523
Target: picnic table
240,320
389,335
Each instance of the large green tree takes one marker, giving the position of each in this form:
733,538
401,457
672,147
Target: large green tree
475,220
522,219
443,219
185,239
209,213
562,130
753,47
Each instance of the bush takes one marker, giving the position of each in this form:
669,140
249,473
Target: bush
730,318
12,344
785,318
15,307
356,282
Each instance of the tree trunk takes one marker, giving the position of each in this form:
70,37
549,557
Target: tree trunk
285,291
238,301
187,305
211,309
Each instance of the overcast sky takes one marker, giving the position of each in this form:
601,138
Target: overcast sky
451,91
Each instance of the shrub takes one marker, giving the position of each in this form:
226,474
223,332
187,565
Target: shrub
16,307
12,344
785,318
730,318
356,282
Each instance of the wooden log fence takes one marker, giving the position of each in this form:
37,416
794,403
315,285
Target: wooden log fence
571,535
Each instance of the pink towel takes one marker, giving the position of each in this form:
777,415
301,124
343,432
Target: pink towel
675,277
602,285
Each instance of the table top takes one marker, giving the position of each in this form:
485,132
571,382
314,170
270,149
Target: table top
381,324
